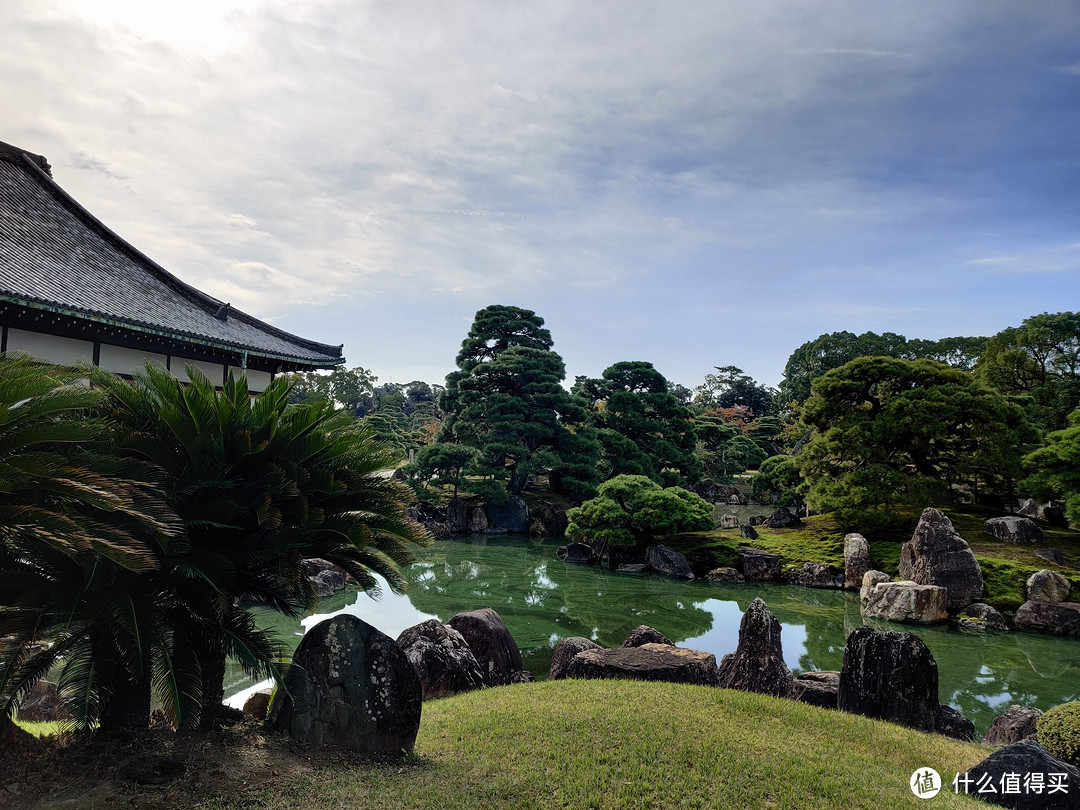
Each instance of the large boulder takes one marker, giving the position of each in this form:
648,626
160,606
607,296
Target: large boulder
747,532
870,580
478,519
1020,531
443,659
649,662
576,552
1048,586
818,688
491,643
457,515
668,561
1052,555
729,521
326,577
783,519
812,575
258,704
757,665
937,555
643,634
362,692
1057,618
759,566
1024,762
889,676
512,516
981,617
907,602
1015,724
564,653
856,560
43,704
1028,508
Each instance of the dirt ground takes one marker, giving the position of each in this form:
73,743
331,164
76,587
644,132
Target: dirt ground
74,773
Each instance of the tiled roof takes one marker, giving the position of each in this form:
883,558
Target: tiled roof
55,255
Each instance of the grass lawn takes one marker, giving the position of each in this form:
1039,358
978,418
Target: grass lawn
623,744
1005,567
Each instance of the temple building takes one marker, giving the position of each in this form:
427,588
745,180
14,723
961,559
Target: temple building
71,290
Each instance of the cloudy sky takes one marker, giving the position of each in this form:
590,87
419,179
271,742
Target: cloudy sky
694,183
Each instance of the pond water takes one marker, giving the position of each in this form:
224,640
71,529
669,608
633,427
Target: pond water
542,599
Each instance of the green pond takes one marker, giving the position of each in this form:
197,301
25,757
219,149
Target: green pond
542,599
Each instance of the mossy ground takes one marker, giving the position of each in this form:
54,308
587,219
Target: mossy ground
1005,567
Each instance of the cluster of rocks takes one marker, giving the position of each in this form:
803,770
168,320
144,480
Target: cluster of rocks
461,516
356,687
659,559
1052,513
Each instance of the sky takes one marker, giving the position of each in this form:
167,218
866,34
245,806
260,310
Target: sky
694,184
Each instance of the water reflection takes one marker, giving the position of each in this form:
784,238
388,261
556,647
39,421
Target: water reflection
543,599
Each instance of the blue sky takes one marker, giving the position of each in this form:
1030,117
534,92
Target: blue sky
695,184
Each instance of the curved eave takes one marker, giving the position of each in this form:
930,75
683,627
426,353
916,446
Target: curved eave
182,337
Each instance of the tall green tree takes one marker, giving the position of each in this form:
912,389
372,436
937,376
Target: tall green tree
507,401
640,423
1055,468
730,387
891,431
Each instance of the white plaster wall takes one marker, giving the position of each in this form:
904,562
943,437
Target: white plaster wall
122,360
51,348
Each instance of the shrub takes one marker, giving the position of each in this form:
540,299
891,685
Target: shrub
1059,732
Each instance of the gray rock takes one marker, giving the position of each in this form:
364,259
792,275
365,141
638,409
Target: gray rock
856,560
870,580
512,516
457,515
1028,508
1024,758
889,676
327,583
759,566
951,723
478,519
1056,618
1048,586
643,634
783,519
564,653
729,521
443,659
817,688
937,555
812,575
757,665
979,616
1020,531
361,693
725,576
1052,555
44,704
758,520
907,602
668,561
1015,724
649,662
491,643
747,532
633,568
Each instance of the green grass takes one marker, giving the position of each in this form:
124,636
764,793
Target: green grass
623,744
48,728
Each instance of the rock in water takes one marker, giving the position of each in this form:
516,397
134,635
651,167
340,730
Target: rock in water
979,616
856,560
362,692
512,516
576,552
725,575
1025,758
870,580
906,602
757,665
1057,618
649,662
812,575
443,659
889,676
759,566
495,649
564,653
643,634
937,555
668,561
1016,724
1048,586
729,521
1020,531
951,723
